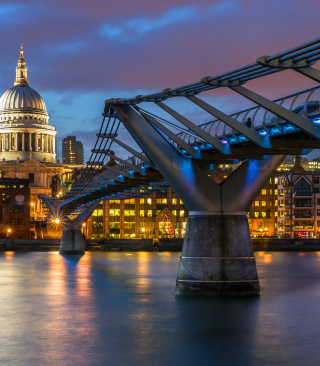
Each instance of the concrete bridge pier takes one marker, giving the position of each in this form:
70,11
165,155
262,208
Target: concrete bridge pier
217,257
72,241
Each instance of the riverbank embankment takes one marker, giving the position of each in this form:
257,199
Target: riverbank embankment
147,245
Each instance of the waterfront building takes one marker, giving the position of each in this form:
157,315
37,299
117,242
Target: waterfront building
158,215
15,208
299,203
263,212
72,151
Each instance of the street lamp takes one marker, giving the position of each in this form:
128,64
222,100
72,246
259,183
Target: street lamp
57,221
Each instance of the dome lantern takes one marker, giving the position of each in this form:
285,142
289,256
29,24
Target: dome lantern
21,71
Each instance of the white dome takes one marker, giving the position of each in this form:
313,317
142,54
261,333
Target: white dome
22,99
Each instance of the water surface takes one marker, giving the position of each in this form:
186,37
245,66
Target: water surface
112,308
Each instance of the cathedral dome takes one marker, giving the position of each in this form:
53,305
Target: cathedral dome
22,99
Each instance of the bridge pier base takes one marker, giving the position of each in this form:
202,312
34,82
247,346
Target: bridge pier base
72,242
217,257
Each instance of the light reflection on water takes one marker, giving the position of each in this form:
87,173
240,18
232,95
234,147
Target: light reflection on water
120,309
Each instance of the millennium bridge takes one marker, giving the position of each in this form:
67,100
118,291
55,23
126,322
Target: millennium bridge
217,257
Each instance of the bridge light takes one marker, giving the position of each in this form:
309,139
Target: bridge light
263,133
316,120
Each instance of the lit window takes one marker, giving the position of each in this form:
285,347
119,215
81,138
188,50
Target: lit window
263,215
141,213
256,214
270,192
149,201
174,212
158,201
157,212
264,192
149,213
141,201
174,201
256,203
263,203
97,212
182,212
129,212
181,203
114,212
275,192
275,203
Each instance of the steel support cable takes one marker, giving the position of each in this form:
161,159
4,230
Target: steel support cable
292,50
86,182
88,167
88,175
299,53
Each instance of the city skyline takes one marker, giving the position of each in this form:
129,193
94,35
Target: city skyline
99,51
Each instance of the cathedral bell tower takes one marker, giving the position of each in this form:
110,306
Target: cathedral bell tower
21,71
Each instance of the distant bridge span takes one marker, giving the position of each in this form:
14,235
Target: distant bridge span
217,257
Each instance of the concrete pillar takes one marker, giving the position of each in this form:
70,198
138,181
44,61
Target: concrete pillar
54,144
16,141
72,242
22,141
37,142
30,142
10,141
47,143
217,257
3,142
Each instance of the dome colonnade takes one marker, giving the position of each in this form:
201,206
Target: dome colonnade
24,129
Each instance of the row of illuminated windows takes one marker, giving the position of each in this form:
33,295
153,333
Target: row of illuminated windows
148,201
262,214
264,192
264,203
11,186
275,180
142,213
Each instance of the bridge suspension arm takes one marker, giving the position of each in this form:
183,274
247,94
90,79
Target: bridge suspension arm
250,134
302,123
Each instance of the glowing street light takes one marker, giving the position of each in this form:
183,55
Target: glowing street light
57,221
84,224
143,229
9,231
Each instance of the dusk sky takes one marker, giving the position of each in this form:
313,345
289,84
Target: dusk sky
80,53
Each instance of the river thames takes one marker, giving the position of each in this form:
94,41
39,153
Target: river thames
112,308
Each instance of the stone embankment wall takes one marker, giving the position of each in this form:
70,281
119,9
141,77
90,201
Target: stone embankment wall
277,244
163,245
